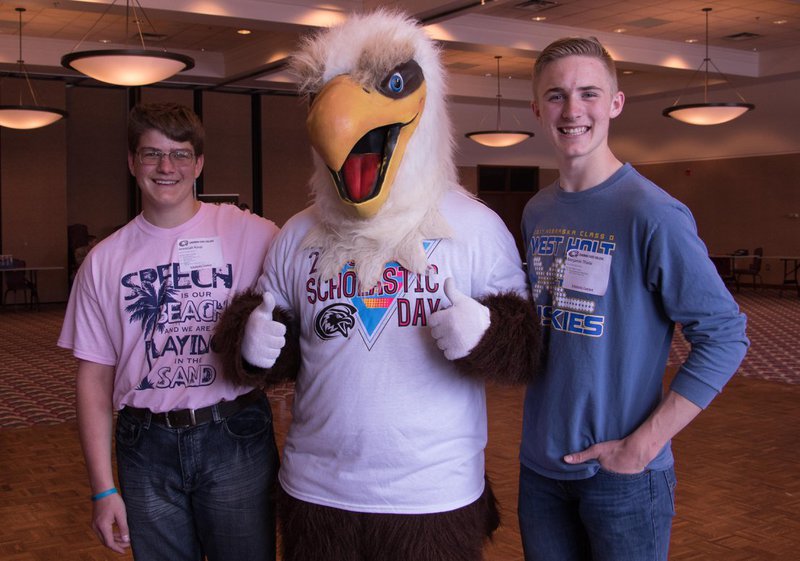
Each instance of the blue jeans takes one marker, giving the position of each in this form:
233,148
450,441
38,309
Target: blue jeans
200,491
607,517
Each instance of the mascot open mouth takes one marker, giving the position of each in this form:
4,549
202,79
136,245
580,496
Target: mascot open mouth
361,132
364,169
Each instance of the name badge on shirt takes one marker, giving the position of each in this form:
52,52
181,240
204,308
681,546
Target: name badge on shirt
587,272
200,253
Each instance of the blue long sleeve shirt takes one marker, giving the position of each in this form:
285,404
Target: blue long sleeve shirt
612,270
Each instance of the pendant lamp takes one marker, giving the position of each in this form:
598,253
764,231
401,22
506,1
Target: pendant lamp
499,138
127,67
27,116
707,113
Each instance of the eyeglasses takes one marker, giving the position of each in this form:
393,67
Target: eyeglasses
152,157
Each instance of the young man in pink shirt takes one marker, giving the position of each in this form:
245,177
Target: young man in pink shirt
196,455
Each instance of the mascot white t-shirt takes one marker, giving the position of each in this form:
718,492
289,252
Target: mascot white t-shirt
383,422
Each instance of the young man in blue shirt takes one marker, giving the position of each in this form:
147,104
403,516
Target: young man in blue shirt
613,262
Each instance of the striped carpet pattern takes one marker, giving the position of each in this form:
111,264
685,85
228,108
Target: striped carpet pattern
37,379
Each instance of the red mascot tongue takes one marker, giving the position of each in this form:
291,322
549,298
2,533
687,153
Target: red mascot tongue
360,171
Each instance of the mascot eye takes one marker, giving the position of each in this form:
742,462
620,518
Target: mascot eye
403,80
396,82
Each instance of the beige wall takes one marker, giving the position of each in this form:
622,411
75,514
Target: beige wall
737,202
286,156
740,203
229,159
97,174
167,95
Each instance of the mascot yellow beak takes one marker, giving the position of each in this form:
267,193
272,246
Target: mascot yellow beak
361,134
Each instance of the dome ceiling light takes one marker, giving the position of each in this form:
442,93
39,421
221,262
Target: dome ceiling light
498,138
128,66
707,113
23,116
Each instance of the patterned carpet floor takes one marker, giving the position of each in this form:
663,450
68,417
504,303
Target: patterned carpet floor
774,337
37,379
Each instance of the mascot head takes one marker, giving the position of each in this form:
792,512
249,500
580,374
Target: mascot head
382,141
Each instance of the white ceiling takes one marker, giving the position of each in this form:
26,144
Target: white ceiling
647,37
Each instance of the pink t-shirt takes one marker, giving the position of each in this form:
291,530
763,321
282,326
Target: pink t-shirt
146,300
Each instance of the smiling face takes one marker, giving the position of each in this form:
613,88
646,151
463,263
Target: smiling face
167,187
575,100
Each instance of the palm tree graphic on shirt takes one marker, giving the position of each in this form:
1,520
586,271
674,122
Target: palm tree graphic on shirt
147,310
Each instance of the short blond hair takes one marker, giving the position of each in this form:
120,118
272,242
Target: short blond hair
574,46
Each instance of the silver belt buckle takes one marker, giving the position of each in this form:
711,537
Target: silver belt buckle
191,416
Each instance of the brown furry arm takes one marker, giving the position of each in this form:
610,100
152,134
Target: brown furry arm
509,352
228,337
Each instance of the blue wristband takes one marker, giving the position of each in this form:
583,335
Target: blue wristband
104,494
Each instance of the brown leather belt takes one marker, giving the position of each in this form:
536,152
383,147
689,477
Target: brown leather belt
184,418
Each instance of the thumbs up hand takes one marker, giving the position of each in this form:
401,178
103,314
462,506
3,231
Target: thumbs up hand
263,337
460,327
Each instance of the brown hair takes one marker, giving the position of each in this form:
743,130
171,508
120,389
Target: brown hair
575,46
176,122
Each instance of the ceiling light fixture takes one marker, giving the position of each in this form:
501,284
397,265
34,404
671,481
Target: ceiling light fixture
707,113
499,138
127,67
27,116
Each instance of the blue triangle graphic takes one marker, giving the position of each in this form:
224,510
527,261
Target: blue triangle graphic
375,310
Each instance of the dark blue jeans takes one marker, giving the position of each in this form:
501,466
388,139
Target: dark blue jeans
607,517
204,490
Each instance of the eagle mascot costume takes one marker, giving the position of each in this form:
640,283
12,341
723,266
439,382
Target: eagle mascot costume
389,301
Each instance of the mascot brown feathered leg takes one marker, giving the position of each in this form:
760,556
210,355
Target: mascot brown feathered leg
390,301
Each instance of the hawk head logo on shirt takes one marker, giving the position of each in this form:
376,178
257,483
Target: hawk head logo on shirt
334,320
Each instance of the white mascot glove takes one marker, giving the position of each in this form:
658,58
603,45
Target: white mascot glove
459,328
263,337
